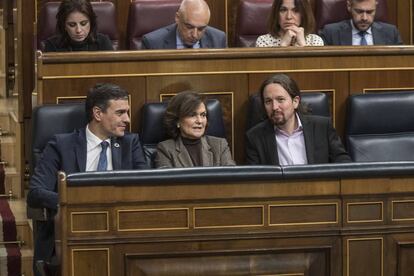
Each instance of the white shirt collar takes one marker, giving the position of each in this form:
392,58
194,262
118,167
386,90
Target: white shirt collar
92,140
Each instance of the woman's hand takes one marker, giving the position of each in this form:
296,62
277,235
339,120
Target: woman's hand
293,36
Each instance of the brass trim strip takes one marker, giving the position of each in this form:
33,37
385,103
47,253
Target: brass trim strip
227,207
87,213
150,210
381,89
91,249
392,209
364,203
364,239
309,70
20,243
304,223
411,22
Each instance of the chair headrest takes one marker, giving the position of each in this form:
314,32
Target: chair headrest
380,113
252,17
48,120
146,16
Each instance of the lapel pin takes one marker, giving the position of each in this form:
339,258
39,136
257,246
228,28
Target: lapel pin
116,145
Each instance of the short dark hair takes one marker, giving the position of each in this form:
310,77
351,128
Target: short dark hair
66,7
288,84
100,95
305,10
181,105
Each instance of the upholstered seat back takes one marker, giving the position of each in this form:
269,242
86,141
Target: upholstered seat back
380,127
252,17
331,11
153,130
48,120
106,22
317,103
147,16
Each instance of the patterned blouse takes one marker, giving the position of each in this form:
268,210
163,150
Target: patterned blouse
268,40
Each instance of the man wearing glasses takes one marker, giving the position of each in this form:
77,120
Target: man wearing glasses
361,29
190,30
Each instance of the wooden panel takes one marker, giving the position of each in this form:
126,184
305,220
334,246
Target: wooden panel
228,216
303,214
90,222
406,258
364,256
364,212
152,219
313,262
93,261
402,210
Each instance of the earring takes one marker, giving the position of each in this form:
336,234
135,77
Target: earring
178,125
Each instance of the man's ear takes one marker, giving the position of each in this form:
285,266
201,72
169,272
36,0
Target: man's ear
97,113
296,101
177,17
348,5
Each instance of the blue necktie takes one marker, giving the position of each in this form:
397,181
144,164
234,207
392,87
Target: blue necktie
103,161
363,40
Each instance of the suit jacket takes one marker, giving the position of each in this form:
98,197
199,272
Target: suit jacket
340,33
173,154
165,38
67,152
54,44
321,142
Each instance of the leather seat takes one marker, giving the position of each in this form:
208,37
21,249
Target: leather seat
316,102
66,118
147,16
252,17
331,11
153,130
106,22
380,127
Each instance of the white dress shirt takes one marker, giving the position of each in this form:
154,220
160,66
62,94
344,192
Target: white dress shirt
356,38
93,150
291,149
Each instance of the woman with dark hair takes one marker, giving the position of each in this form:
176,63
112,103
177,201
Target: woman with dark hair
76,29
290,24
186,121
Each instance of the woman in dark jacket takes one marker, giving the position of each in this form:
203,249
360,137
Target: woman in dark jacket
76,29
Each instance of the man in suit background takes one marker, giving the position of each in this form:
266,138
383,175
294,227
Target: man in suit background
288,137
190,30
84,149
361,29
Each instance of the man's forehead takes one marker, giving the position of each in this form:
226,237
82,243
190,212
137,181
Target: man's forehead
274,88
119,103
364,5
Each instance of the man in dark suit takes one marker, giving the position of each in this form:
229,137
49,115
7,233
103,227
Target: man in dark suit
361,29
190,30
288,137
85,149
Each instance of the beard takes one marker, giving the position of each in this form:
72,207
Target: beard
278,118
